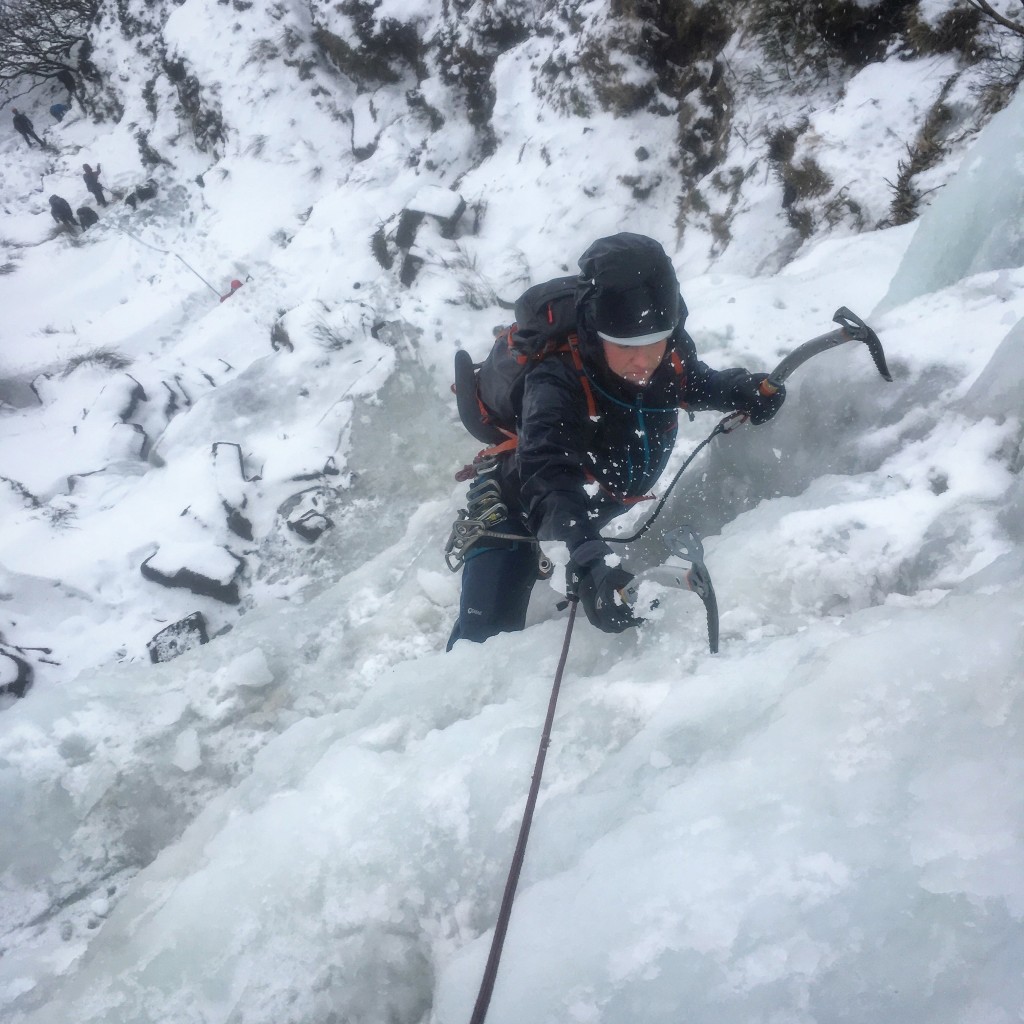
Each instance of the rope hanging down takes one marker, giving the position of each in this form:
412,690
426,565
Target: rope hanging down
483,998
168,252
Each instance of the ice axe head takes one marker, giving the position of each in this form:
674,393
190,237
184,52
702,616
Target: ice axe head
684,543
859,331
851,328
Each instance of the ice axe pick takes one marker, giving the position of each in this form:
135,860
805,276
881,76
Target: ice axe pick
851,328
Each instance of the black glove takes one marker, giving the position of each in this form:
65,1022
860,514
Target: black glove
596,585
758,406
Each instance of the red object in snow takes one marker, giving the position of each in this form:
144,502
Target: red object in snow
235,285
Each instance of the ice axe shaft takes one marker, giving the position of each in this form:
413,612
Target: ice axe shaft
851,328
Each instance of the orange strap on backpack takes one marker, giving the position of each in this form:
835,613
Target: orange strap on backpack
571,345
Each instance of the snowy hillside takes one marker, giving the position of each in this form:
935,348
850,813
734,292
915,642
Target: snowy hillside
310,817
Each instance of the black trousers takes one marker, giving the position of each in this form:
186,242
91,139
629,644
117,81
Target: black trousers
496,585
26,136
98,193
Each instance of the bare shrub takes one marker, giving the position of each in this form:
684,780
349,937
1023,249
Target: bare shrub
105,357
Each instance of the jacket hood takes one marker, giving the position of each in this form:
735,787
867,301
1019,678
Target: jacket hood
627,286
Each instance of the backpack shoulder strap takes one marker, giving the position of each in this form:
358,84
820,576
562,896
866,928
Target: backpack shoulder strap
573,346
681,375
511,440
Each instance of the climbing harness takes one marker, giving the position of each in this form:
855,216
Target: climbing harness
466,532
486,509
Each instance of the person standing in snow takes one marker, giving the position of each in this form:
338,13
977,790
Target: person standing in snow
92,183
593,439
60,208
24,126
67,79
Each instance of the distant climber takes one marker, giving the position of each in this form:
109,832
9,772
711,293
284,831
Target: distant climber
61,210
141,193
86,216
58,110
23,125
92,183
67,79
235,285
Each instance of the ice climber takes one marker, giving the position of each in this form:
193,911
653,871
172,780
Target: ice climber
61,210
92,183
24,126
87,216
594,435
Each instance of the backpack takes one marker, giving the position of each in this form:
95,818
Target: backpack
489,394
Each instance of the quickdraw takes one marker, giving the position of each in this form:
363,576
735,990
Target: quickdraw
479,521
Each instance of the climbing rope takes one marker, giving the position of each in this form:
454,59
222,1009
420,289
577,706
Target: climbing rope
483,998
722,427
169,252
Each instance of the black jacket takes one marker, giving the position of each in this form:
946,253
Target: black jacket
61,210
571,474
22,123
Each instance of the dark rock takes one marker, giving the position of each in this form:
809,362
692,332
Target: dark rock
408,222
177,638
444,205
15,673
237,523
410,268
197,582
141,193
310,525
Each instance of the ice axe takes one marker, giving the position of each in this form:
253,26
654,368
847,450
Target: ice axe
684,543
851,328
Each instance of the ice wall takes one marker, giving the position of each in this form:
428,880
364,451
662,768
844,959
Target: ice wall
975,223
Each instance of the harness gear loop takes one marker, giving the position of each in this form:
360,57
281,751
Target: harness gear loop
466,532
485,510
483,998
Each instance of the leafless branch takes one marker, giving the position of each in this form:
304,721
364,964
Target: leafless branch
990,12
